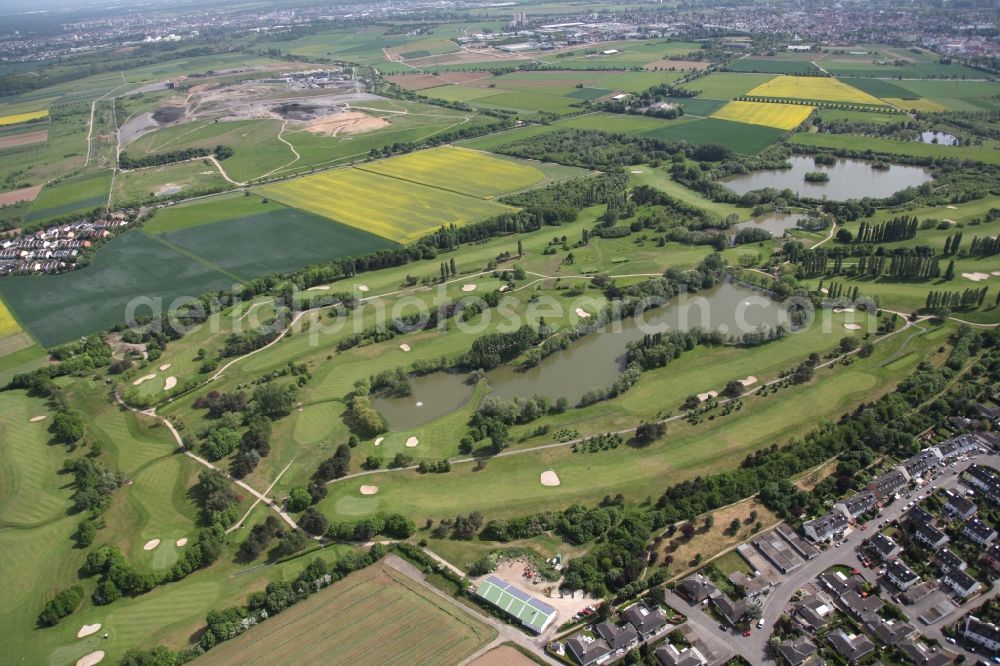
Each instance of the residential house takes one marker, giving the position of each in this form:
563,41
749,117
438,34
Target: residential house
900,574
668,655
979,532
825,528
587,650
860,606
838,583
796,652
922,654
889,632
957,446
918,516
949,561
617,638
915,467
697,588
980,633
983,478
850,647
930,536
856,505
959,508
880,546
732,611
887,485
751,587
992,557
961,583
813,612
647,621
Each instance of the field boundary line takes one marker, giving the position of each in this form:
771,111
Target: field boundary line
191,255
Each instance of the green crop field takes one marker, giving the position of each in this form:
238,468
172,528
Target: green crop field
78,194
746,139
272,241
617,122
986,154
381,617
726,85
395,209
879,88
774,66
696,106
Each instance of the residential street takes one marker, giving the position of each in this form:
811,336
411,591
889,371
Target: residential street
755,648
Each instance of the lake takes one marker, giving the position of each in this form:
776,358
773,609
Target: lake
940,138
593,360
776,223
849,179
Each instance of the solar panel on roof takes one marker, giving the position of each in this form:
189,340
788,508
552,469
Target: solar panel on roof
542,606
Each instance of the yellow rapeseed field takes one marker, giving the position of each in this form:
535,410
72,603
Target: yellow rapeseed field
782,116
460,170
819,88
8,325
23,117
400,210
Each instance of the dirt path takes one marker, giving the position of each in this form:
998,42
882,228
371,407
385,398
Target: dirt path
201,461
833,228
282,139
239,523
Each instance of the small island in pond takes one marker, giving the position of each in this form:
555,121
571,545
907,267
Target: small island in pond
817,177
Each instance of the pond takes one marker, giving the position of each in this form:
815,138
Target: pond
776,223
940,138
593,360
849,179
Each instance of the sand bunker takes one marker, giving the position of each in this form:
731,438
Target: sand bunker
824,290
144,378
504,288
87,630
637,171
169,383
748,381
995,273
852,327
405,347
151,544
582,314
180,543
362,287
379,440
949,221
468,287
839,310
369,490
705,396
952,207
412,442
322,287
549,478
976,277
420,404
40,417
348,122
165,366
90,659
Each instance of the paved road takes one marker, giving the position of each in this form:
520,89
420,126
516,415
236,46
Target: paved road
755,648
